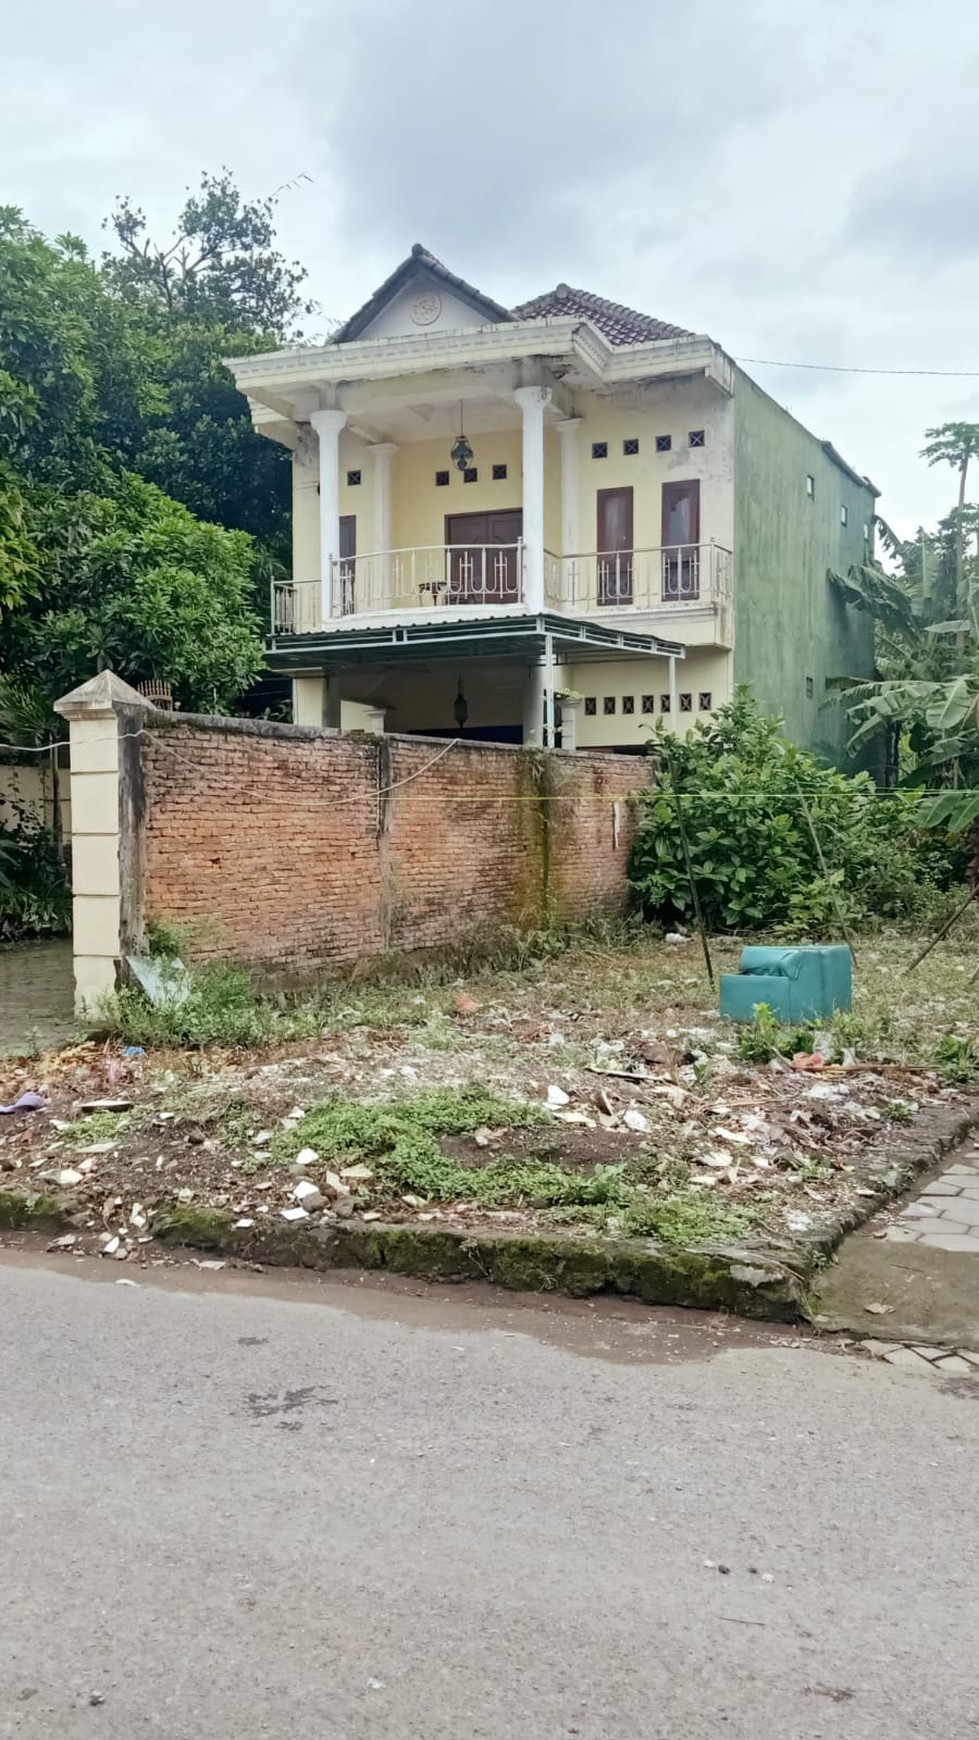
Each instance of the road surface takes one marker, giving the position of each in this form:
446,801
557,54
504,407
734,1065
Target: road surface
335,1514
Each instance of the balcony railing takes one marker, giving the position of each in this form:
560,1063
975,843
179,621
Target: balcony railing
652,579
436,574
439,575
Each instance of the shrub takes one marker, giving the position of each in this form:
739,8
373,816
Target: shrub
744,792
35,899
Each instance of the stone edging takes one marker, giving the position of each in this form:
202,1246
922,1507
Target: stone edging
752,1284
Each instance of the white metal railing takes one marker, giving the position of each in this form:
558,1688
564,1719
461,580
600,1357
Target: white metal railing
432,574
436,575
645,579
296,606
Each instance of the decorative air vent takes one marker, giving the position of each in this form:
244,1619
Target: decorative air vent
608,704
499,474
696,438
686,703
353,478
441,480
599,449
664,443
649,703
630,446
664,703
591,706
470,475
705,701
628,703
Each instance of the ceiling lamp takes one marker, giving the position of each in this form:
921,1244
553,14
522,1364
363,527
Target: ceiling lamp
462,454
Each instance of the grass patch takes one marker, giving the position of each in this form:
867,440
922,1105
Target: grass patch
401,1141
96,1127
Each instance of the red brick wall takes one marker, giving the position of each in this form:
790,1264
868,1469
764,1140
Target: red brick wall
287,846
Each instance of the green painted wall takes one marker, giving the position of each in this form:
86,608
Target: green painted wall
789,623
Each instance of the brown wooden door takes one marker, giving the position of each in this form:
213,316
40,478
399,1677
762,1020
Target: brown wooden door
483,568
615,546
681,540
348,566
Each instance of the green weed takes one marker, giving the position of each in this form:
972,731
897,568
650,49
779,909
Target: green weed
956,1058
96,1127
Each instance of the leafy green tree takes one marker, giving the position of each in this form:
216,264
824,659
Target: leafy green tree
221,268
132,581
955,444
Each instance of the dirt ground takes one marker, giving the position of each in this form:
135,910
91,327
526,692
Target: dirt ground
619,1046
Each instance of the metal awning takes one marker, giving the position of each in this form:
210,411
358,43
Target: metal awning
518,636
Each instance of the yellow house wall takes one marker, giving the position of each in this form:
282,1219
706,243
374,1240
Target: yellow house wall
671,408
701,671
419,507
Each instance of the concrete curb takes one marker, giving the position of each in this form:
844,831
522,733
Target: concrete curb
720,1279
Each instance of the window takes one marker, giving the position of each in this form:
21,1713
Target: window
599,449
649,703
810,688
470,475
608,704
664,703
844,514
866,533
441,480
591,706
353,478
696,438
628,703
810,485
705,701
630,446
686,703
664,443
499,473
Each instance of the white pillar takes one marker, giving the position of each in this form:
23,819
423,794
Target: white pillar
105,879
533,402
328,424
308,700
571,538
378,589
382,456
533,708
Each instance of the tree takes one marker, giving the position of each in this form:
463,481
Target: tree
220,268
955,444
130,580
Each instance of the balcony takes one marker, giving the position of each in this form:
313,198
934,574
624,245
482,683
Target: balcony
685,582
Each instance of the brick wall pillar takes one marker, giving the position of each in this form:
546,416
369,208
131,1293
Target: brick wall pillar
102,715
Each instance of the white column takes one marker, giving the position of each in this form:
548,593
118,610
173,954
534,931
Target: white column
533,708
328,424
382,456
533,402
379,582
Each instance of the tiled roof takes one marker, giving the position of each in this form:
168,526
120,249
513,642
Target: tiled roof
419,263
620,325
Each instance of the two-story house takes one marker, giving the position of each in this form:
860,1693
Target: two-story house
506,516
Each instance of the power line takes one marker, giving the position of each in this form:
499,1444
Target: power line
767,362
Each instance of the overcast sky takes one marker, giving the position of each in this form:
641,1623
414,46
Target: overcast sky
801,182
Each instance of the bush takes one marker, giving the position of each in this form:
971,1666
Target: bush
35,899
744,791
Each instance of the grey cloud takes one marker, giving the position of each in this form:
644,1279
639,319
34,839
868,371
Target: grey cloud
517,134
925,208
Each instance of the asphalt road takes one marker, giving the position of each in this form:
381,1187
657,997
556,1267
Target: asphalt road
235,1515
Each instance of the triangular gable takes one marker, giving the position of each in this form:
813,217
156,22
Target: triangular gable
421,294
